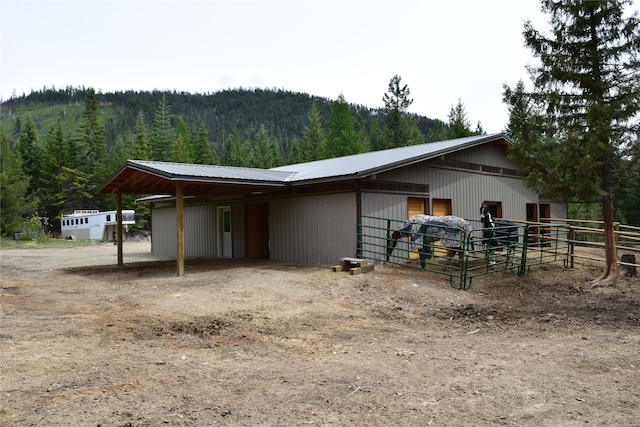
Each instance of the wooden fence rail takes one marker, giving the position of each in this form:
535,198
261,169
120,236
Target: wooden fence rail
627,239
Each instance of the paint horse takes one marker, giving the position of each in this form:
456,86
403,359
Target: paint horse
424,230
498,233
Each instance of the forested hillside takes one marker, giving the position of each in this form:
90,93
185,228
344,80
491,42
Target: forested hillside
59,145
238,113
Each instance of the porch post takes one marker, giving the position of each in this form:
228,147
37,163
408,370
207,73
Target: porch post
119,228
180,229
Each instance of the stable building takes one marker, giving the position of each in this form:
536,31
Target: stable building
310,212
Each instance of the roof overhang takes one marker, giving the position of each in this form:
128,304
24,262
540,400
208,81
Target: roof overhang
146,177
139,178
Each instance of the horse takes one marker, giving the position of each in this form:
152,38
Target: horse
424,230
498,233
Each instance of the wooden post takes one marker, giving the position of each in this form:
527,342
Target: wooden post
572,245
119,228
180,229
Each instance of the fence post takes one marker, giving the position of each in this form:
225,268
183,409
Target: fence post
572,245
388,237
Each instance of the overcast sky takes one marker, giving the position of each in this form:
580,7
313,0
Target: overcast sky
444,50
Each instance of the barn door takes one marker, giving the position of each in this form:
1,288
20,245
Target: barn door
416,206
441,207
256,218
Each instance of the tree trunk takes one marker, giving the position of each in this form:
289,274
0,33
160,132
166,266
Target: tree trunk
611,273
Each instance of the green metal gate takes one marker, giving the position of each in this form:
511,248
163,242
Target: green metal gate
530,244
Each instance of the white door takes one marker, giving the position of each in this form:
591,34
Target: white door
224,221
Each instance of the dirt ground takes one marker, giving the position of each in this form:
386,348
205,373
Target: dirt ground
87,343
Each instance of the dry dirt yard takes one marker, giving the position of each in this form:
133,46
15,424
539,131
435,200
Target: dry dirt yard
86,343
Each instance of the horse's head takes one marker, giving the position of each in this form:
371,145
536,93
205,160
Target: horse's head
485,216
393,241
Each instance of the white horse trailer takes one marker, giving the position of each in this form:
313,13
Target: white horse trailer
95,225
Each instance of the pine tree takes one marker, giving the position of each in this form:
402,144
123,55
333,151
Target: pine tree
400,126
163,135
140,149
459,124
30,151
342,138
56,157
91,152
439,132
202,152
237,152
179,151
119,154
92,149
16,203
267,152
312,137
587,89
183,130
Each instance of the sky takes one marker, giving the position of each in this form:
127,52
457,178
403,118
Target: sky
445,51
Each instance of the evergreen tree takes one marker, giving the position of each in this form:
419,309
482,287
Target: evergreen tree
237,152
16,202
342,138
163,135
400,126
119,154
92,152
202,152
77,192
439,132
587,88
377,139
140,149
459,125
183,130
92,149
30,151
179,151
267,152
57,156
312,137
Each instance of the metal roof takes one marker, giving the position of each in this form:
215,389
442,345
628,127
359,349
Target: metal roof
359,165
150,177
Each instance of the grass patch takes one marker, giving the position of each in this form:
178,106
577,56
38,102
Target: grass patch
45,242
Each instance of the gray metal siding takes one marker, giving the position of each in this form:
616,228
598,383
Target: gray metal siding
199,231
467,190
385,205
488,154
313,229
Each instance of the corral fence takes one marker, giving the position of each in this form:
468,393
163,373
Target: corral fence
475,254
590,235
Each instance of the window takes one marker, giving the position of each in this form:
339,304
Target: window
417,205
441,207
495,208
109,217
